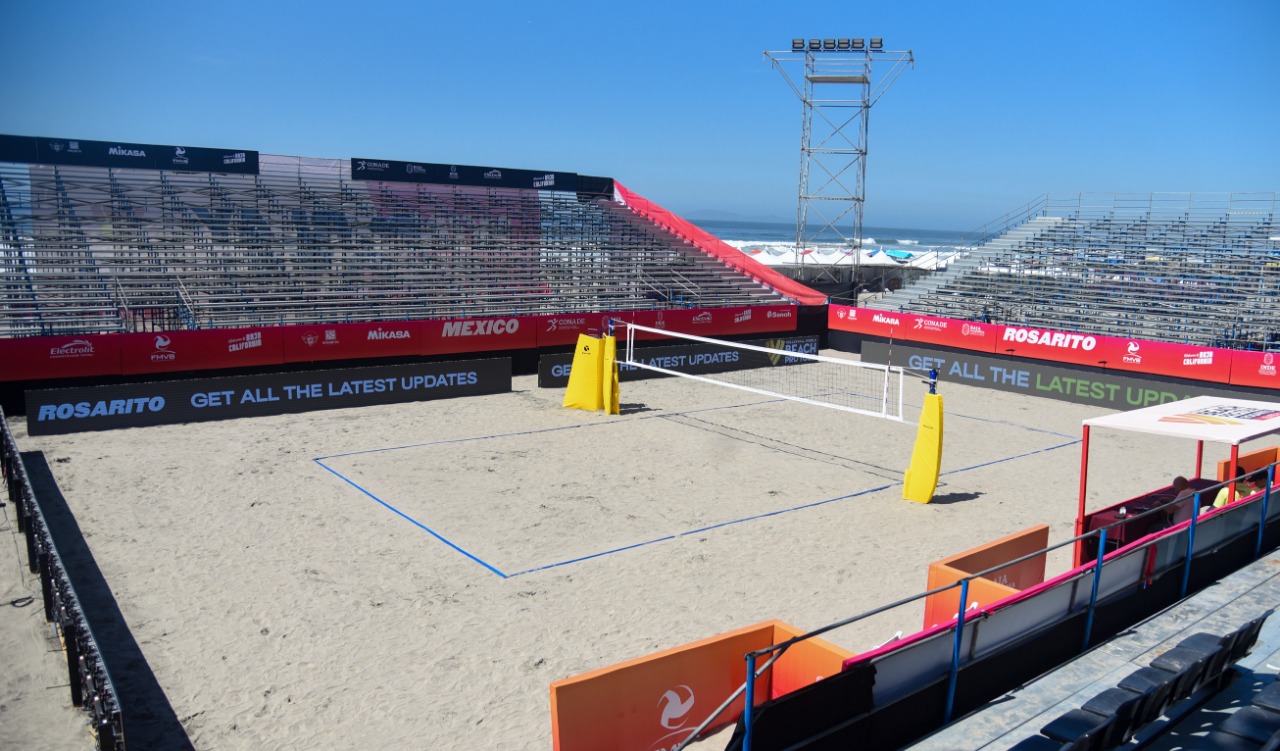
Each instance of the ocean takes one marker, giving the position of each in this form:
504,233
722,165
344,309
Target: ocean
780,236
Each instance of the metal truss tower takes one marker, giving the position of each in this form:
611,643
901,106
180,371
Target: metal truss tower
839,81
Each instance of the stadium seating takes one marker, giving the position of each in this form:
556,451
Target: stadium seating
1190,268
96,250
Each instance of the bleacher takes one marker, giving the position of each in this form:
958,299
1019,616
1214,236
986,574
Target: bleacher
98,250
1188,268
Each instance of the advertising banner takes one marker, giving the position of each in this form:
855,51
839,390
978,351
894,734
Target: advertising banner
390,170
148,156
692,358
911,327
1255,369
478,335
40,357
1094,386
203,349
351,341
72,410
710,322
1166,359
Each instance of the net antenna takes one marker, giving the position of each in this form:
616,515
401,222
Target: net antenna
849,385
840,80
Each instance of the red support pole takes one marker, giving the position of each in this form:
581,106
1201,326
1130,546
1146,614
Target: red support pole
1199,458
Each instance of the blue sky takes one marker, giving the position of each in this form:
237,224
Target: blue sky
1007,100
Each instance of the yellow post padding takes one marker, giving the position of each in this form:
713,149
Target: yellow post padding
584,390
926,459
609,377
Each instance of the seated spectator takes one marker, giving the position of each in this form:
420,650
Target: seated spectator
1183,505
1256,482
1224,496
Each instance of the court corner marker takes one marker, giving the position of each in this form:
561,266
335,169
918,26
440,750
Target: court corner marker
926,459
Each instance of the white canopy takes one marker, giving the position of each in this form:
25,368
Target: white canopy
1200,418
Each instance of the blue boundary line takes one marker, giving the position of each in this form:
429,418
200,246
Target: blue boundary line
765,515
410,519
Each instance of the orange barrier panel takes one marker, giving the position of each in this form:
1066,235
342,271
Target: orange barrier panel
942,607
655,702
1252,462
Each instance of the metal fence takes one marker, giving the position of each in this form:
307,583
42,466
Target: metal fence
91,685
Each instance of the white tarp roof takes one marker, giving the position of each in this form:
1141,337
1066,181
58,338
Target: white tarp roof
1200,418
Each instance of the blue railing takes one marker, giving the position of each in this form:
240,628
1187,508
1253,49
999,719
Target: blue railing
1104,558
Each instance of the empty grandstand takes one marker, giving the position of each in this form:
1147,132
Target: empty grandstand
1192,268
94,247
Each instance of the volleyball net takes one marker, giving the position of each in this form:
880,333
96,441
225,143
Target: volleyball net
848,385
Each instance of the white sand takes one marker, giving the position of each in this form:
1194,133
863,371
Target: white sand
280,607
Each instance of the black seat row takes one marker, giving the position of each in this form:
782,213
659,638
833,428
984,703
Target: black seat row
1253,728
1110,719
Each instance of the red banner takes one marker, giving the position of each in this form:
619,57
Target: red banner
205,349
479,335
1163,358
712,322
1255,369
351,341
40,357
947,332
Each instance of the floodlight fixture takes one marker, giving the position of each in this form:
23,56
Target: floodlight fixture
815,45
842,45
797,45
877,44
859,45
829,45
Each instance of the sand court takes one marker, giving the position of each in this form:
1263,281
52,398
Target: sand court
282,603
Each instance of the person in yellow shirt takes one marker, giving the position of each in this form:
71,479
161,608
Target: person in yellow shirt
1242,489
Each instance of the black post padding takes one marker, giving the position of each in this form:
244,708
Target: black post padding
31,548
70,640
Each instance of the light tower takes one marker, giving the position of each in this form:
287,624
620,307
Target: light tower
840,80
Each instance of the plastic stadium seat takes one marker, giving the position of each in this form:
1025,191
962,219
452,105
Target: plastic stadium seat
1156,686
1187,664
1254,723
1038,743
1248,636
1121,705
1268,698
1221,741
1084,730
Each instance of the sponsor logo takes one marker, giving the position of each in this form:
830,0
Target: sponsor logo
73,147
778,314
453,172
554,324
1050,338
887,320
377,335
415,169
703,318
1222,414
239,157
743,317
1268,366
162,352
122,151
481,328
929,324
972,329
180,156
675,706
311,338
660,323
101,408
74,348
1131,355
1198,358
248,341
546,181
493,174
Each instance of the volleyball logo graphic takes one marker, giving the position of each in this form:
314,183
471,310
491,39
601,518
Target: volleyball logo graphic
675,708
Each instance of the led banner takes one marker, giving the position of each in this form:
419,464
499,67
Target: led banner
57,411
1255,369
1093,386
37,357
553,370
390,170
351,341
478,335
149,156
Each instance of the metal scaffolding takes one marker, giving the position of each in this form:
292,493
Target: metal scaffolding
839,81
